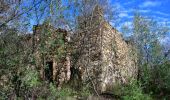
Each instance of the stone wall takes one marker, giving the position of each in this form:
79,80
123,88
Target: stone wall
50,49
118,59
104,57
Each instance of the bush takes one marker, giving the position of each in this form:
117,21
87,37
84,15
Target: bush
62,94
31,79
159,82
134,92
85,92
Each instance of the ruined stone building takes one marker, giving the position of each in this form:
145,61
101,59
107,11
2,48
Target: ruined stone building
102,56
51,53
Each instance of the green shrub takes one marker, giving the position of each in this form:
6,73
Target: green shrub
63,93
85,91
156,79
160,80
134,92
31,78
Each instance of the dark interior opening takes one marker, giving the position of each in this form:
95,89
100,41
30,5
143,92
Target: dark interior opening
49,71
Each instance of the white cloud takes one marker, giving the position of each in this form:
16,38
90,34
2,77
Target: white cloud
130,10
159,18
128,23
128,3
123,15
119,6
165,40
144,11
150,4
162,13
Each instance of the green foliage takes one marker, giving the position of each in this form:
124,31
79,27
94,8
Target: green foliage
145,75
52,42
159,80
147,33
85,92
4,91
63,93
53,91
153,69
155,79
11,61
19,79
164,75
134,92
31,78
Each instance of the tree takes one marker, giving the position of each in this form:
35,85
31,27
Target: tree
147,34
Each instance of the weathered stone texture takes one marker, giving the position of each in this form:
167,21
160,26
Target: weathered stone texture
50,49
118,60
105,58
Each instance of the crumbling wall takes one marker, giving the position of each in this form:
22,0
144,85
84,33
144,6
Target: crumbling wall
88,48
118,59
105,58
102,56
50,45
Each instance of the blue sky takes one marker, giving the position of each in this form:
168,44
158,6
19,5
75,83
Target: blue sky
157,9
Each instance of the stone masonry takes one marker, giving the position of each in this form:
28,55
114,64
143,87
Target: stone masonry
103,56
51,54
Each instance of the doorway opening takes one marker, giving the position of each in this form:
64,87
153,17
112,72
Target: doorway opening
49,71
